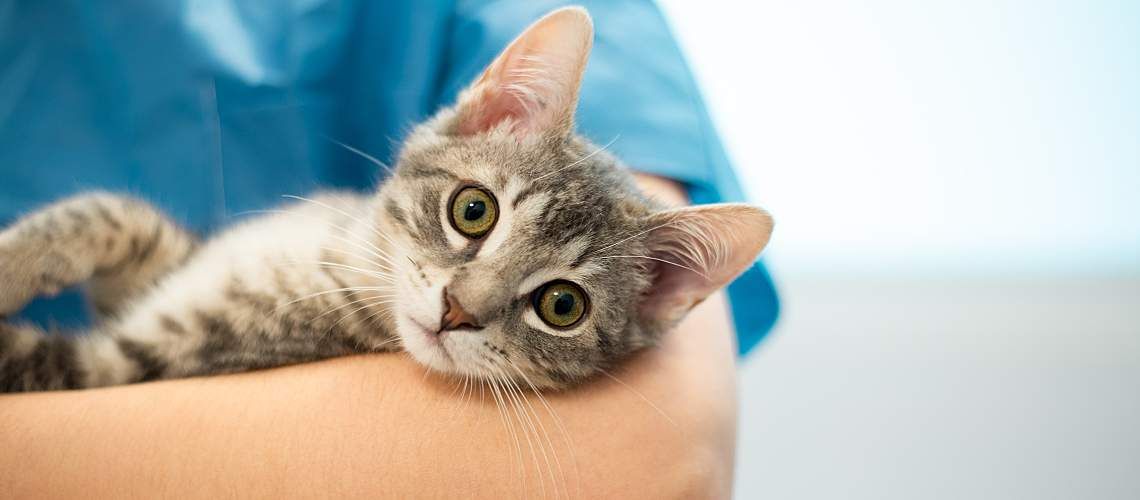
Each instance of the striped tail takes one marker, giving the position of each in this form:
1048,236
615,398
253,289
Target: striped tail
33,361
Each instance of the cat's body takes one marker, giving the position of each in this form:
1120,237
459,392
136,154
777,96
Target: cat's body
239,301
502,246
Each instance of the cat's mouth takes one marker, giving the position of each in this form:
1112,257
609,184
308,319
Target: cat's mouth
432,342
428,332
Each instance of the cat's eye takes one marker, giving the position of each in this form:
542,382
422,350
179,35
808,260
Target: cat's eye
560,304
473,211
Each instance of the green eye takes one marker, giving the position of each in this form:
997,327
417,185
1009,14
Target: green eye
560,304
473,211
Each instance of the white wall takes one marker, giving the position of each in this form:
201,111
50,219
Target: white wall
930,137
957,192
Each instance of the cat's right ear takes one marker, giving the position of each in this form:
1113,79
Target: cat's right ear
694,251
532,86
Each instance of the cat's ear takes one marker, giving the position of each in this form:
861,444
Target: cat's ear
697,250
534,82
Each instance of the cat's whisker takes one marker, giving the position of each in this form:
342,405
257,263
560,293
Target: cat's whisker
474,381
509,426
580,160
373,251
319,220
512,418
349,304
455,389
700,247
345,267
461,388
380,300
393,340
658,259
362,154
354,255
371,226
535,423
336,290
640,395
374,273
366,306
482,391
557,422
623,240
525,424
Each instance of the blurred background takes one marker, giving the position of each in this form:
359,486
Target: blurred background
957,190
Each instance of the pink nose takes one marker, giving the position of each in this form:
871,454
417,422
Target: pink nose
454,316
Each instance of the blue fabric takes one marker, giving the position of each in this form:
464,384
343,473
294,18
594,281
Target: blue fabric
212,109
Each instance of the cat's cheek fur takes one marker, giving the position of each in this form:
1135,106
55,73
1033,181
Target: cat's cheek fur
418,305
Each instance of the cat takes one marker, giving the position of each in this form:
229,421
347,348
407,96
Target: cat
502,245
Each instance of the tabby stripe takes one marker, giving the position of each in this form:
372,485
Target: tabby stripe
171,325
105,214
151,367
151,243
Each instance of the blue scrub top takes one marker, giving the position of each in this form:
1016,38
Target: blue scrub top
212,109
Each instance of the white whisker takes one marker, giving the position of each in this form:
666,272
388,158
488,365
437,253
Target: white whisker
325,292
527,429
532,418
640,395
320,220
366,306
368,225
623,240
509,426
355,256
364,155
580,160
345,267
561,428
349,304
703,275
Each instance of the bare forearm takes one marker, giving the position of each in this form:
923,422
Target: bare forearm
374,424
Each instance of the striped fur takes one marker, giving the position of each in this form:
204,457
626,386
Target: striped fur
345,273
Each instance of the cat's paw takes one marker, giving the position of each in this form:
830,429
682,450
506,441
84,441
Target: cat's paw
16,286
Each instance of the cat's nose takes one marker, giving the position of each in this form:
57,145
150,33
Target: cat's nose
454,316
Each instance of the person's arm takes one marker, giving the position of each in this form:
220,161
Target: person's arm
372,425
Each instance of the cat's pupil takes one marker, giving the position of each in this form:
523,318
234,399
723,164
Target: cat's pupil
563,304
475,211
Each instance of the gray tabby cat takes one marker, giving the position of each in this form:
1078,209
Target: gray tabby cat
503,245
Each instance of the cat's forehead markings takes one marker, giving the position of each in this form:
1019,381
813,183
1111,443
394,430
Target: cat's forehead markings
426,171
565,255
485,174
522,195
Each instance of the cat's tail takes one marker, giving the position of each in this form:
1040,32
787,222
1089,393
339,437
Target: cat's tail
31,360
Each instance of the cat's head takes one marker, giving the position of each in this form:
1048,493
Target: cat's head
524,251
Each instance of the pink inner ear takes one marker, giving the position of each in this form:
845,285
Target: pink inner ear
697,250
674,292
533,84
494,107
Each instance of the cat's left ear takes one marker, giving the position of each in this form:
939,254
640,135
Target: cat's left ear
697,250
532,87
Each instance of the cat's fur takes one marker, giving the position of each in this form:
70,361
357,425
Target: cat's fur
345,273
